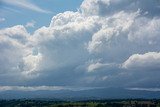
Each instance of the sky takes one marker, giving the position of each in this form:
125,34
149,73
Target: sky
55,44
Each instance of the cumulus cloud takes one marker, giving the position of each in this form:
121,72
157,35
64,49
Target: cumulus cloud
17,33
150,60
96,66
145,31
110,7
12,43
16,51
94,7
112,32
93,67
101,29
30,64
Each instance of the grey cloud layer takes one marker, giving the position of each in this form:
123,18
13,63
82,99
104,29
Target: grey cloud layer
99,45
44,88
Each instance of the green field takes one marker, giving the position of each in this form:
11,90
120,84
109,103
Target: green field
89,103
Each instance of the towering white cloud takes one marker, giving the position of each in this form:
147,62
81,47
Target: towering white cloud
16,51
145,31
94,7
111,31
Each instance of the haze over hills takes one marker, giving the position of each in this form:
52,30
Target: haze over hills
91,94
54,49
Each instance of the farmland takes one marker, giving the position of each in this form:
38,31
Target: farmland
88,103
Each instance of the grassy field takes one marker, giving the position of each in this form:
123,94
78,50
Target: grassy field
89,103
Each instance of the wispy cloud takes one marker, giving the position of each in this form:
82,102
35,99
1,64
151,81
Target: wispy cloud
30,24
5,9
26,4
2,19
145,89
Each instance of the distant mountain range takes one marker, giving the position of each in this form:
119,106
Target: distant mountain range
104,93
